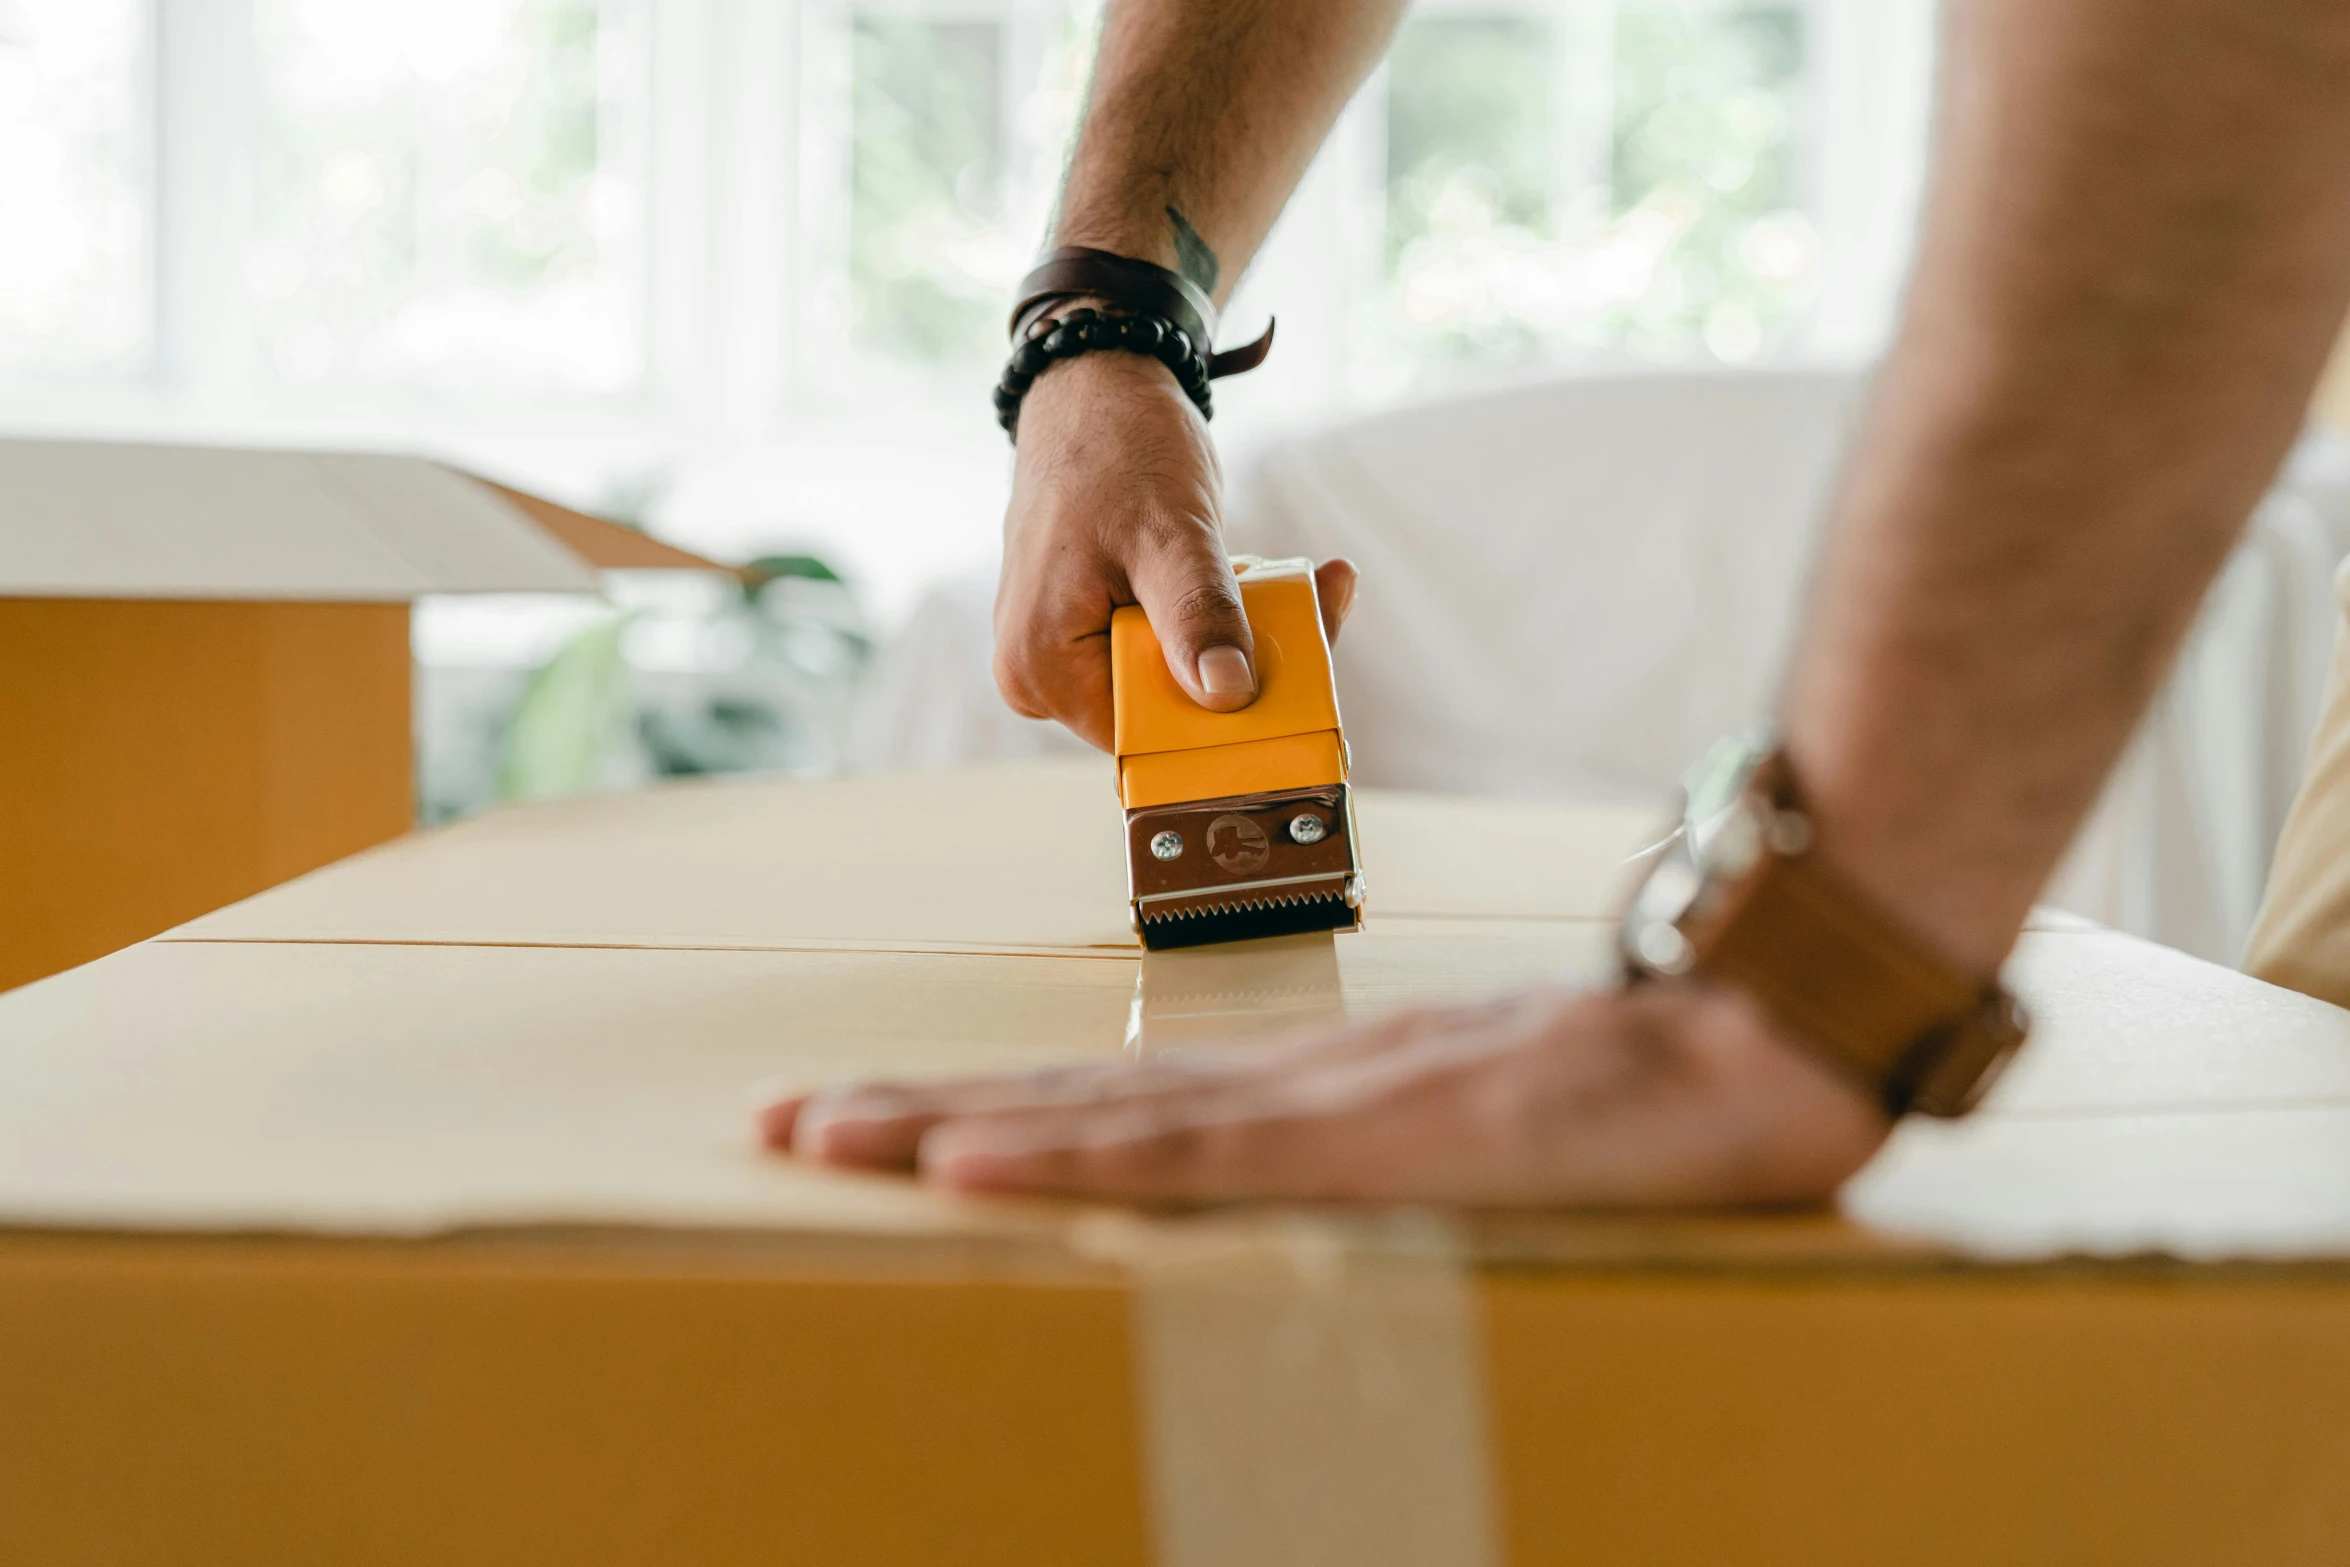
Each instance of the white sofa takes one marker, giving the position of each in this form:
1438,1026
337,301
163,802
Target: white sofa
1571,585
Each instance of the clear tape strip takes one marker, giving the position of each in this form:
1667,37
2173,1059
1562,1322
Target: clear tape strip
1313,1391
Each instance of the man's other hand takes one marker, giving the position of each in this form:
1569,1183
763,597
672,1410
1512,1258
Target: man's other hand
1670,1094
1115,500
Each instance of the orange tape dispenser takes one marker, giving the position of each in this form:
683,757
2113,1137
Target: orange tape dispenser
1238,825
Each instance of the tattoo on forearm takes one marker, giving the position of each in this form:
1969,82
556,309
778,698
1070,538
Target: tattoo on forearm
1193,258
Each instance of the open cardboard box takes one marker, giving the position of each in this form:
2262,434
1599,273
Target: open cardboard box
204,667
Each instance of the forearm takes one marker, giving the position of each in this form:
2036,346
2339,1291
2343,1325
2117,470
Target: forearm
2137,254
1201,117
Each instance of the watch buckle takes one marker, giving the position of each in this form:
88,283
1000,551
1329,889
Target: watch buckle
1956,1068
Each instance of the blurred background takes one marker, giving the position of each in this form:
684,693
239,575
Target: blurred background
741,265
735,271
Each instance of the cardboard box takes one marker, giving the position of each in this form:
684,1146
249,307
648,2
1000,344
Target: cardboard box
204,667
410,1212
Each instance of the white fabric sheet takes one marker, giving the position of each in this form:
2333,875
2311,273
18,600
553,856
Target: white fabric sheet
1572,585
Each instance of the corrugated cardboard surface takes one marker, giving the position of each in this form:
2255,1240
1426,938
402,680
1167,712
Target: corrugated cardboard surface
2046,1419
1017,858
161,759
615,1402
366,1087
533,1043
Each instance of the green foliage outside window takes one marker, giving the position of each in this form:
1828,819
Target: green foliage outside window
1705,128
436,197
551,144
1468,102
1680,235
926,187
1538,205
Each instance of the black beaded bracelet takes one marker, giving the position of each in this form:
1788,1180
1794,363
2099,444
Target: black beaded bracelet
1087,331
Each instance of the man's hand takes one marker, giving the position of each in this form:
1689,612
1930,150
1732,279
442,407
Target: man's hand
1666,1095
1200,116
1115,501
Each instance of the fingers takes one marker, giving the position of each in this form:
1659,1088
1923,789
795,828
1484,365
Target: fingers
1114,501
1052,665
778,1119
1339,1128
1334,588
879,1125
882,1125
1046,671
1669,1096
1185,585
1192,1147
1175,1128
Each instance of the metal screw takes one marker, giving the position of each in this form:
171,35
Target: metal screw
1167,846
1306,829
1664,948
1789,832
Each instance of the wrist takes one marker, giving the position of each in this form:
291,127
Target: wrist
1901,849
1141,234
1791,1127
1057,335
1114,386
1746,896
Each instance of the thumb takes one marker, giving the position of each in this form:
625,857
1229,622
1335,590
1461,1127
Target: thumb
1185,586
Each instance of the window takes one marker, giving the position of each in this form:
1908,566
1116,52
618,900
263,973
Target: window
75,126
1593,180
462,193
1557,181
928,168
1709,107
1478,172
956,116
446,191
751,257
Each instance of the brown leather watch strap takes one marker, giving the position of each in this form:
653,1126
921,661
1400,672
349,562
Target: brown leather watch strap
1817,952
1808,947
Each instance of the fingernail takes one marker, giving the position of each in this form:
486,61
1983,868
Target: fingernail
1224,671
778,1121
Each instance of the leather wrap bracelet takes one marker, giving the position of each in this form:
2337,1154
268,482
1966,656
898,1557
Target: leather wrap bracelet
1152,311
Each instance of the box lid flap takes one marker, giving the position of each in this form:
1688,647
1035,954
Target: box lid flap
100,519
599,542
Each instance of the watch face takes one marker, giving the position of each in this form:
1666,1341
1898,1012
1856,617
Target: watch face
1717,782
1721,837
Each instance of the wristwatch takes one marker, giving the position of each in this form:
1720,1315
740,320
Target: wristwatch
1737,895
